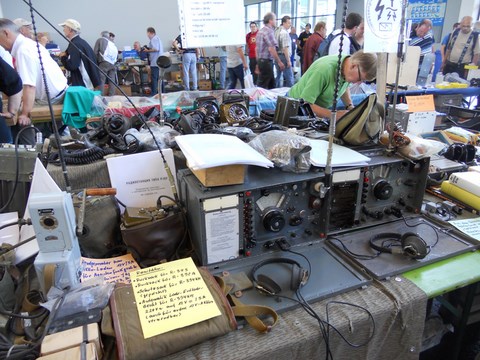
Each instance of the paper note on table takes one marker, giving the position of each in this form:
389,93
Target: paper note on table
470,227
341,155
171,296
141,178
204,151
420,103
113,270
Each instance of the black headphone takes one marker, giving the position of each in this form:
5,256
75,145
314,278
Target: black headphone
268,286
412,245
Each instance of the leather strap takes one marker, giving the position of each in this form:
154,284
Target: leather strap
49,276
251,313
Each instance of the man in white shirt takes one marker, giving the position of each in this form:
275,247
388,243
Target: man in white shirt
284,51
27,63
352,22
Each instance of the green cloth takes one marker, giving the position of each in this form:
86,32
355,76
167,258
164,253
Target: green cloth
77,106
317,85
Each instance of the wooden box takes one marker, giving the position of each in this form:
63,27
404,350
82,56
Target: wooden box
126,88
221,175
204,84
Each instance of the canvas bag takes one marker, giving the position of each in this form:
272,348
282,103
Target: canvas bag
111,52
361,124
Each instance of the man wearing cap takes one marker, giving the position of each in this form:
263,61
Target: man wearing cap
24,27
79,58
27,63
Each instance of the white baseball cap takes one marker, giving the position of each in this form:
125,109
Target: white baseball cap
72,24
22,22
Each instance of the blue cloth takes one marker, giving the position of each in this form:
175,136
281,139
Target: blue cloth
154,73
286,73
234,74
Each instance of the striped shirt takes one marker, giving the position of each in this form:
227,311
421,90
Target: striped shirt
425,42
265,39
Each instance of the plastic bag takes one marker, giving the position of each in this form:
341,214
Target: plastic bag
248,80
420,148
164,135
287,151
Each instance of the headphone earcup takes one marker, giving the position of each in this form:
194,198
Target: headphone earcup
413,246
297,278
267,285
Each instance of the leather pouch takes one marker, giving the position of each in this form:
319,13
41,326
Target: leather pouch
156,240
362,124
129,335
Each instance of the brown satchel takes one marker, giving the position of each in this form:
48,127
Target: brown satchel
128,331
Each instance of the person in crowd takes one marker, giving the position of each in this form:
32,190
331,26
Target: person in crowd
422,35
222,55
142,55
311,46
352,22
106,53
42,38
11,86
111,37
27,63
317,85
446,38
24,27
79,58
463,48
5,55
237,65
189,62
358,38
284,51
293,48
155,48
251,41
302,39
267,52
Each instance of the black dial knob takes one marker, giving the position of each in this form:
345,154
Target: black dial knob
383,190
273,220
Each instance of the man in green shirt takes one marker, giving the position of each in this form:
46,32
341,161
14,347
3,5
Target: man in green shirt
317,85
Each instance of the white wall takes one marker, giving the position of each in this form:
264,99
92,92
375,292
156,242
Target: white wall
127,19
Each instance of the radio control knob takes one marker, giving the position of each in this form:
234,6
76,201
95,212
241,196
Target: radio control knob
383,190
274,220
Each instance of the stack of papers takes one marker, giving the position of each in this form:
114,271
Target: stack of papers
341,155
204,151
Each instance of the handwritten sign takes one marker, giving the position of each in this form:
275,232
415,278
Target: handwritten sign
420,103
171,296
113,270
470,227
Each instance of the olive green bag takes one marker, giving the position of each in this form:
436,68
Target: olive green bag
128,331
362,124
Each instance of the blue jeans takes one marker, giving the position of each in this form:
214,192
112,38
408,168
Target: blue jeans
287,73
154,71
234,74
190,68
223,71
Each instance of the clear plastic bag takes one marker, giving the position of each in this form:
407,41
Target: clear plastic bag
420,148
164,135
287,151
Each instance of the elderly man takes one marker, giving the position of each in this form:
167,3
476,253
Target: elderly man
463,48
79,58
422,36
284,51
24,27
106,53
267,52
27,63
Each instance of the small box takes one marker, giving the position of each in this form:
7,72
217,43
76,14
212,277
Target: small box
73,353
221,175
71,338
204,84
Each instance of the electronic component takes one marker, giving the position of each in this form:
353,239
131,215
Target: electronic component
53,219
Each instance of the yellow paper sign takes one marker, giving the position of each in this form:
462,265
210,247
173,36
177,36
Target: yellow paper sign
171,296
420,103
113,270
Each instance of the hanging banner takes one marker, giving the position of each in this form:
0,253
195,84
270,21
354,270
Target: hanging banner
382,25
434,10
207,23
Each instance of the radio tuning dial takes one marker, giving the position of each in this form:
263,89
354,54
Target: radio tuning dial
273,220
383,190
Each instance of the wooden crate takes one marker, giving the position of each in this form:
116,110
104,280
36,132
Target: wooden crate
204,84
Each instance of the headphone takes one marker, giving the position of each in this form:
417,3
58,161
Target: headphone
268,286
412,245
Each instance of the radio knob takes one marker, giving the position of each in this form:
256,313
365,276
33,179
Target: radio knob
273,220
383,190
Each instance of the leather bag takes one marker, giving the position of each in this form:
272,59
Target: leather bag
362,124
